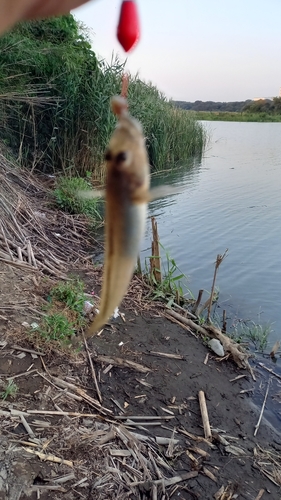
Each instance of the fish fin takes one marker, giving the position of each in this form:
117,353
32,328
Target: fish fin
90,194
162,191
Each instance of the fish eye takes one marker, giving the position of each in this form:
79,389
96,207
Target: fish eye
108,156
122,156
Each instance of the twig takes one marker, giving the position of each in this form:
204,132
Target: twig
144,417
155,260
62,413
30,251
224,323
24,374
50,458
186,312
199,439
123,363
270,371
31,351
27,427
262,408
91,401
197,303
6,242
180,323
92,369
166,355
237,378
204,414
188,322
260,494
20,264
203,307
217,265
209,474
168,482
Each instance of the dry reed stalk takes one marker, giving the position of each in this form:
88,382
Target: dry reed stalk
204,414
219,260
155,259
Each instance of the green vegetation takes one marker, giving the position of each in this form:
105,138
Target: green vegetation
67,199
252,332
235,117
71,293
64,314
54,103
262,110
264,106
56,327
170,288
10,390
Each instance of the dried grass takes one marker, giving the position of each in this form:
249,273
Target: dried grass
33,236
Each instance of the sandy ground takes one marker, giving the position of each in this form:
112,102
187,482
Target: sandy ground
76,458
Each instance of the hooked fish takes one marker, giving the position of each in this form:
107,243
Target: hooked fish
127,195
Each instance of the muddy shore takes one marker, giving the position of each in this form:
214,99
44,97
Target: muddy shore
168,389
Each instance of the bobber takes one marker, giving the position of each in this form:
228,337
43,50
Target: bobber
128,30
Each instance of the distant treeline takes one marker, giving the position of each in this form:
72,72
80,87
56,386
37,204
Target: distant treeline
236,106
258,106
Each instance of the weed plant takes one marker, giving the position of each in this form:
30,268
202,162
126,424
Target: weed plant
10,390
71,293
67,199
64,314
252,332
56,327
171,288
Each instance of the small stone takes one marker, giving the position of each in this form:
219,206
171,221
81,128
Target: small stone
216,347
88,307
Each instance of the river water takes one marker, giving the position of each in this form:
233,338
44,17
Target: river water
230,198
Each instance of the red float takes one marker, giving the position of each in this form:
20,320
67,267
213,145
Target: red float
128,30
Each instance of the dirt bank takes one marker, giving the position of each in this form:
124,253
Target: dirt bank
58,441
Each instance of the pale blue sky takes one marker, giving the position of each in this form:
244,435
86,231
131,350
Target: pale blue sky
217,50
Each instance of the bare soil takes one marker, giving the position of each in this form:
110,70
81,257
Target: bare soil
81,449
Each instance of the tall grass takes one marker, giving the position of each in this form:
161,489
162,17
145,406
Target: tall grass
55,103
172,134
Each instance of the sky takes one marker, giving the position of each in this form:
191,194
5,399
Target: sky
217,50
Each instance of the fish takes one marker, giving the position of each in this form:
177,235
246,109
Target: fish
126,197
127,193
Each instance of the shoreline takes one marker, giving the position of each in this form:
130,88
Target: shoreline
54,417
175,370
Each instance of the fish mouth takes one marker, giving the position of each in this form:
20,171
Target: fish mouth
123,237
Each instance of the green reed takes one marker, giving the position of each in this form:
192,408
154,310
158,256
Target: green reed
55,103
